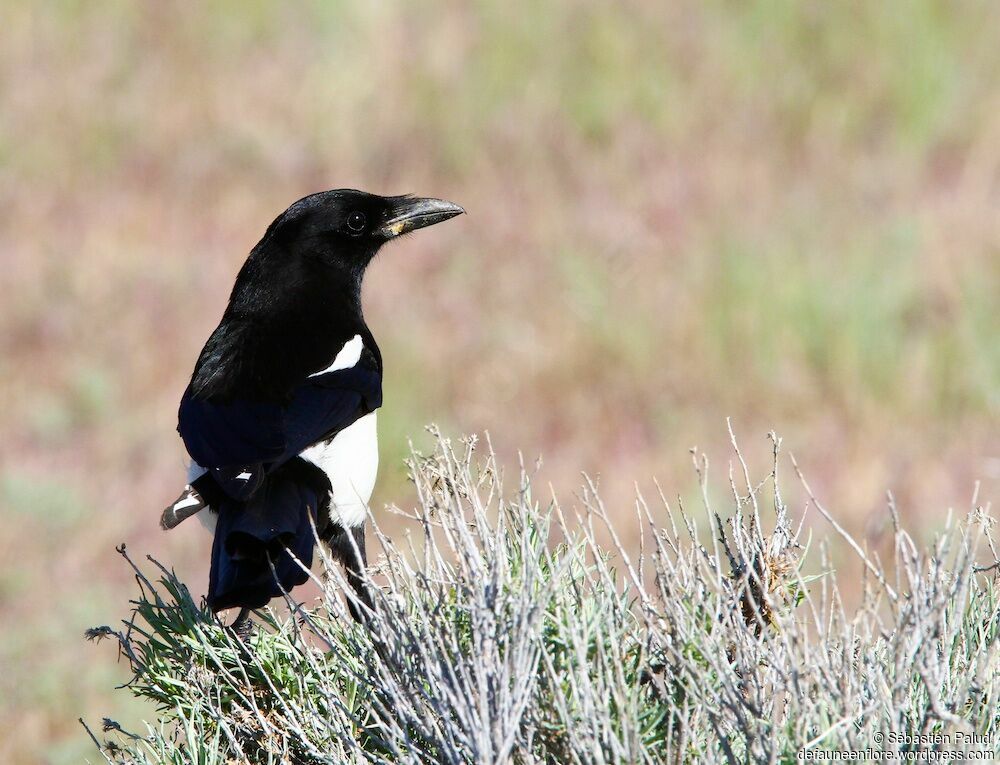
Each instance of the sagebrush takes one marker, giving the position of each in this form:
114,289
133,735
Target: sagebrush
505,632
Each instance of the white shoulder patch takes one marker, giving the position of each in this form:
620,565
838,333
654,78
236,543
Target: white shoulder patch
346,358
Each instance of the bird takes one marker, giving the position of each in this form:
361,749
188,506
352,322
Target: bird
279,417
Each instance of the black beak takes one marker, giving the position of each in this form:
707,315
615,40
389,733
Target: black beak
410,213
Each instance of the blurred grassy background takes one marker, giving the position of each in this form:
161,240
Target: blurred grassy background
781,211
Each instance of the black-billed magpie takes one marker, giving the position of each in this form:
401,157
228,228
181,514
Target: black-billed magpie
279,416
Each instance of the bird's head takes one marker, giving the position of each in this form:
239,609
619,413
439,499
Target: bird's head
345,228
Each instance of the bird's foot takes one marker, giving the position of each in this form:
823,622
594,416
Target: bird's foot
242,626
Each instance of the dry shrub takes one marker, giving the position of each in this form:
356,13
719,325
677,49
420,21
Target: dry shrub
504,632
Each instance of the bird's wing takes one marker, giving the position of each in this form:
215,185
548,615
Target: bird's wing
230,433
229,436
328,403
187,504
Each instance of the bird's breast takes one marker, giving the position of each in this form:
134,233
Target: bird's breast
350,461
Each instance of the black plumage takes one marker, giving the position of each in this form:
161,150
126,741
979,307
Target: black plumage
276,378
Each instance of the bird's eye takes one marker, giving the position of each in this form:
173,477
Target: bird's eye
356,222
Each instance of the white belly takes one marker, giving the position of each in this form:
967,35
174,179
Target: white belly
350,461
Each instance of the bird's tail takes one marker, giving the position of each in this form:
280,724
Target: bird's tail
266,531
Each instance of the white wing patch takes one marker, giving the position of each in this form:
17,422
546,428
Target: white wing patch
188,501
346,358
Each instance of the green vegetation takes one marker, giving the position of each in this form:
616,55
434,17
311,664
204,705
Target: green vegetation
488,644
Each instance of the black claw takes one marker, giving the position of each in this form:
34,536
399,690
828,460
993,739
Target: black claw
242,627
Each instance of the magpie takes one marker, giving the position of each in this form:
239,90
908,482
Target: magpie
279,415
